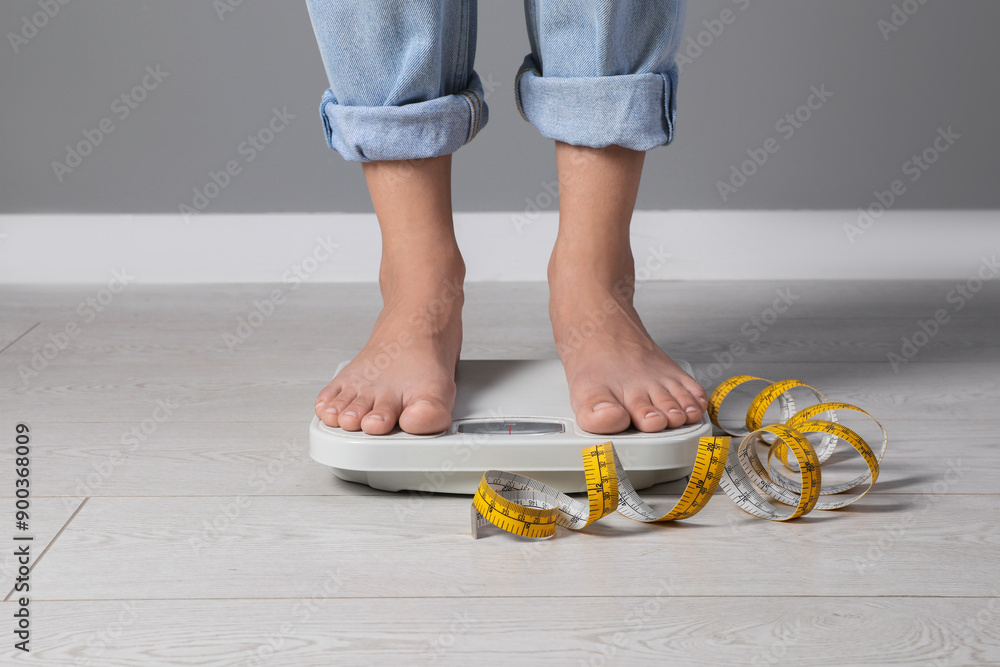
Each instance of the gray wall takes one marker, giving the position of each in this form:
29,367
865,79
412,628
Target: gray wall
226,75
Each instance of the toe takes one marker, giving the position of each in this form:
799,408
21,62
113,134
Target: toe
696,390
425,415
691,407
325,399
382,417
602,413
331,412
646,416
350,418
668,405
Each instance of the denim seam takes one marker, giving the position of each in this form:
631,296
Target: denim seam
517,87
472,99
327,128
479,112
667,124
669,104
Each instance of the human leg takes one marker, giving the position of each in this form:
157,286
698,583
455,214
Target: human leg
601,81
403,98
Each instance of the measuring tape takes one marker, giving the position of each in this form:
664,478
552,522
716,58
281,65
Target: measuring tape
523,506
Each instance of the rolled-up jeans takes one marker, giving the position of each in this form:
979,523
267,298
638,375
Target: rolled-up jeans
403,85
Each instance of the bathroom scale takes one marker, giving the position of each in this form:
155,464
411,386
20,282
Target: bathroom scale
511,415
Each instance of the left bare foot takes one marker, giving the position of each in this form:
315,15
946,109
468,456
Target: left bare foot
616,372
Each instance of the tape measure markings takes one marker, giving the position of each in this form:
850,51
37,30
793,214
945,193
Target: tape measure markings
524,506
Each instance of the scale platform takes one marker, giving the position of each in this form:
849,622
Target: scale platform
511,415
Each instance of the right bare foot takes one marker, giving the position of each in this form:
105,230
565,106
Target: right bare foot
406,371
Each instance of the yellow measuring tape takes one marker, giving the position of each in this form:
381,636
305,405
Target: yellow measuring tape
523,506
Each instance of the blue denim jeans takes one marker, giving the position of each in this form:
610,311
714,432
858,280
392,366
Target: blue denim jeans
403,86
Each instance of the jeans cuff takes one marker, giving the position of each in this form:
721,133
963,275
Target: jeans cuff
409,131
636,111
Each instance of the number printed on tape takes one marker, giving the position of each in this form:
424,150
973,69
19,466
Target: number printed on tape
523,506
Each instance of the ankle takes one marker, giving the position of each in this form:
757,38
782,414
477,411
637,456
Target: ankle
576,268
427,277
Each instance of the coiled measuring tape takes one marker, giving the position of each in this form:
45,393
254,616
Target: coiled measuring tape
523,506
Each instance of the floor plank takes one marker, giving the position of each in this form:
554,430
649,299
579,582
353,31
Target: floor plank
215,527
47,516
827,299
234,392
220,340
179,458
416,545
658,629
11,332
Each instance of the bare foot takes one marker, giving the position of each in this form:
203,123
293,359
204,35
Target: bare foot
616,372
406,371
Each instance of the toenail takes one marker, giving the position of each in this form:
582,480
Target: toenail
702,401
351,413
332,410
320,402
652,414
602,406
376,417
693,410
675,411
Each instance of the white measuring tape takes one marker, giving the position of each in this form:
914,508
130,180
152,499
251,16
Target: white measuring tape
523,506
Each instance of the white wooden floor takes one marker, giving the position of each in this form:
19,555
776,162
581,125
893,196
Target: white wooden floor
215,539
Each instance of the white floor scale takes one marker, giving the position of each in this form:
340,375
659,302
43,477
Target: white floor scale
511,415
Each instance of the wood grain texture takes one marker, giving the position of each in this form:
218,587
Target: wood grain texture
234,392
197,544
12,332
47,516
418,546
217,340
657,629
824,299
180,458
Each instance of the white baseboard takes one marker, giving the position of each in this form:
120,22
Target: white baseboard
668,245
